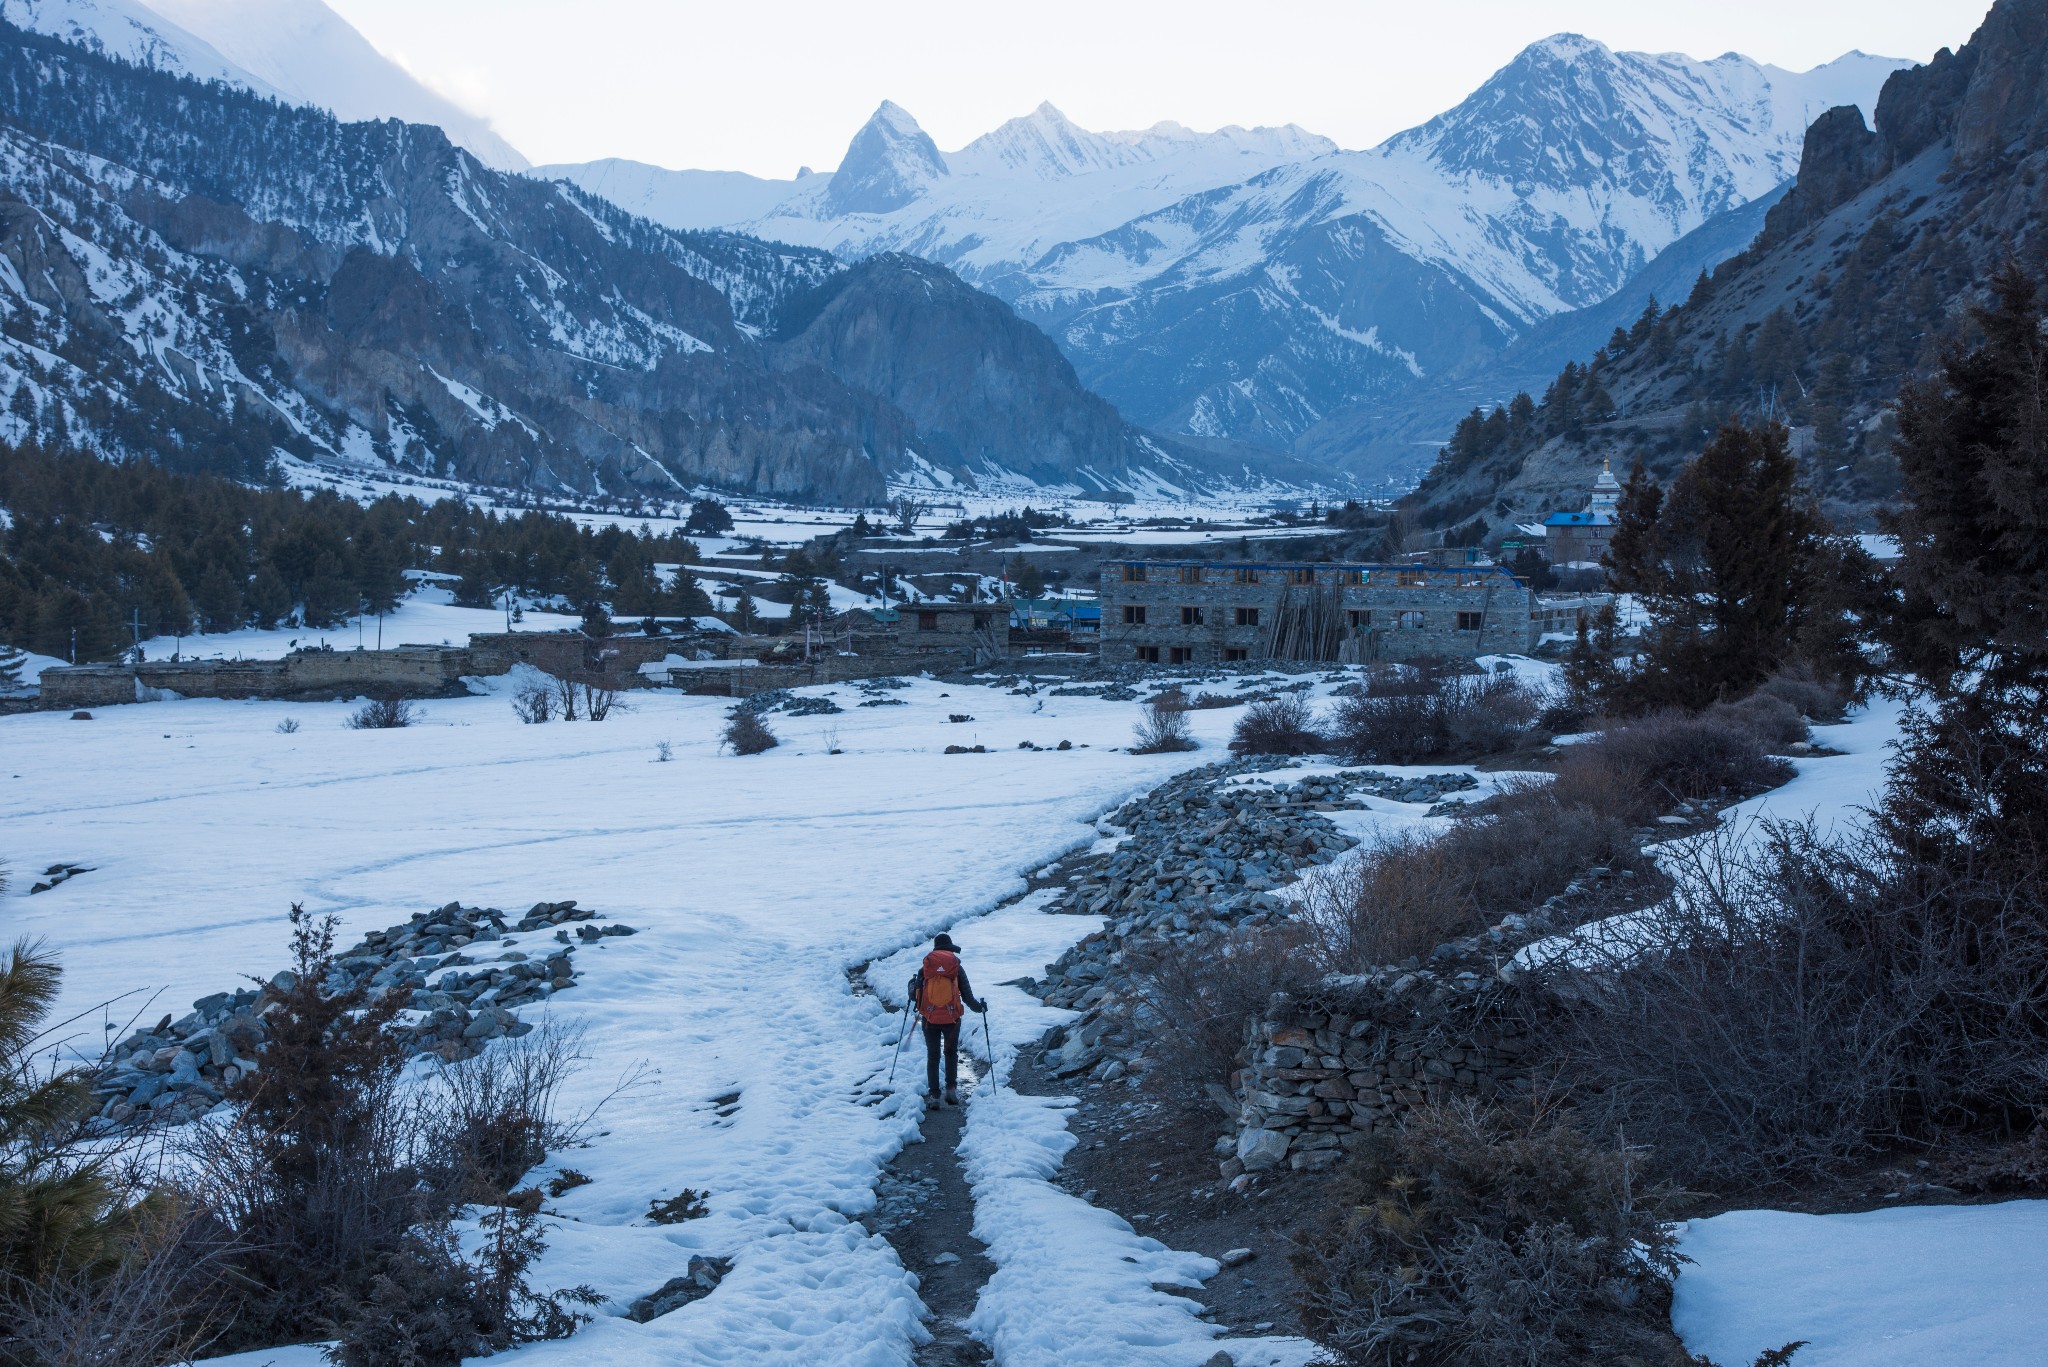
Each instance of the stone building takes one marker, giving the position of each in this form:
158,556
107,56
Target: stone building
975,632
1209,612
1581,538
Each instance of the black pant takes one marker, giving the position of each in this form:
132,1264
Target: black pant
934,1035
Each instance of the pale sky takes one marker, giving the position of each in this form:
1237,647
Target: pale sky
768,85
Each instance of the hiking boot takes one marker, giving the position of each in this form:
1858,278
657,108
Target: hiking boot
952,1097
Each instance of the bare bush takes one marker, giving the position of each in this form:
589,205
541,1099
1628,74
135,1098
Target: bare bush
1404,716
1165,728
600,697
1800,686
1403,895
1653,762
495,1114
1284,725
1797,1003
747,734
1771,719
1489,1238
1197,995
1395,899
149,1303
534,703
564,686
384,714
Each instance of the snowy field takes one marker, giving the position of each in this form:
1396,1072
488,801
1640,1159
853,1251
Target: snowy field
1884,1288
756,884
789,523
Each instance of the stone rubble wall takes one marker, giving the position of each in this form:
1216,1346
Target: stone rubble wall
178,1070
1202,858
1323,1075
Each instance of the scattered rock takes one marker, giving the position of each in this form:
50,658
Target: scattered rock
1237,1257
1260,1150
175,1072
699,1281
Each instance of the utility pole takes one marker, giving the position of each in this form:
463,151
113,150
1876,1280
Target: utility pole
135,628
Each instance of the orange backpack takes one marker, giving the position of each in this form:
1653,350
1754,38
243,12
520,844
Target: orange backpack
938,991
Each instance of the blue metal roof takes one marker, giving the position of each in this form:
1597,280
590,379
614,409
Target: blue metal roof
1586,519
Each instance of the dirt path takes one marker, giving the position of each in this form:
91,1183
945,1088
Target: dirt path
925,1209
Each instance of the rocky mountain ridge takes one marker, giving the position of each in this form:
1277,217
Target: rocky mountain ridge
205,275
1862,272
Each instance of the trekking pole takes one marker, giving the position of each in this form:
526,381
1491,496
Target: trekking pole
990,1045
901,1036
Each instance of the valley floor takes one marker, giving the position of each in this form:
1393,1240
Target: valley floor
757,884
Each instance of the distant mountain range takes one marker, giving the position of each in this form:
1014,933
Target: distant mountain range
204,275
1263,286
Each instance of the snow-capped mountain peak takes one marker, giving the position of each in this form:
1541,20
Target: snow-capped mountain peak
1045,145
890,162
302,47
134,33
298,51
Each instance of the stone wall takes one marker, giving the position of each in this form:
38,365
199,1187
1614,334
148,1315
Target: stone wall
414,671
1322,1075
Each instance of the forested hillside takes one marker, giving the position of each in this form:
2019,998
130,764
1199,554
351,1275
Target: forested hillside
90,549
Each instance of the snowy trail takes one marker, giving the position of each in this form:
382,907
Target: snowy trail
755,884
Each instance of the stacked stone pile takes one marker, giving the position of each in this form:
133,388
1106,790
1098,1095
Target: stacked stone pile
1203,855
1322,1075
782,700
178,1070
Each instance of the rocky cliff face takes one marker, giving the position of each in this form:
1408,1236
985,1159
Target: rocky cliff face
987,391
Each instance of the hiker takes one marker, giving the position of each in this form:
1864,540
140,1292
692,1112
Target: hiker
939,990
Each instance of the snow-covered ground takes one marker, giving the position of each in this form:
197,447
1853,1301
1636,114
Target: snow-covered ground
425,617
786,524
1883,1288
756,883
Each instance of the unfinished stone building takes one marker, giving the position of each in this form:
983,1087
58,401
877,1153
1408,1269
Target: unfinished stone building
1201,612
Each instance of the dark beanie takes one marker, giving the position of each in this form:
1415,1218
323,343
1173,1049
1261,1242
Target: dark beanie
945,941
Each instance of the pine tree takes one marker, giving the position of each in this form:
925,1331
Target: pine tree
58,1210
1722,567
380,577
269,601
12,662
1972,785
220,599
